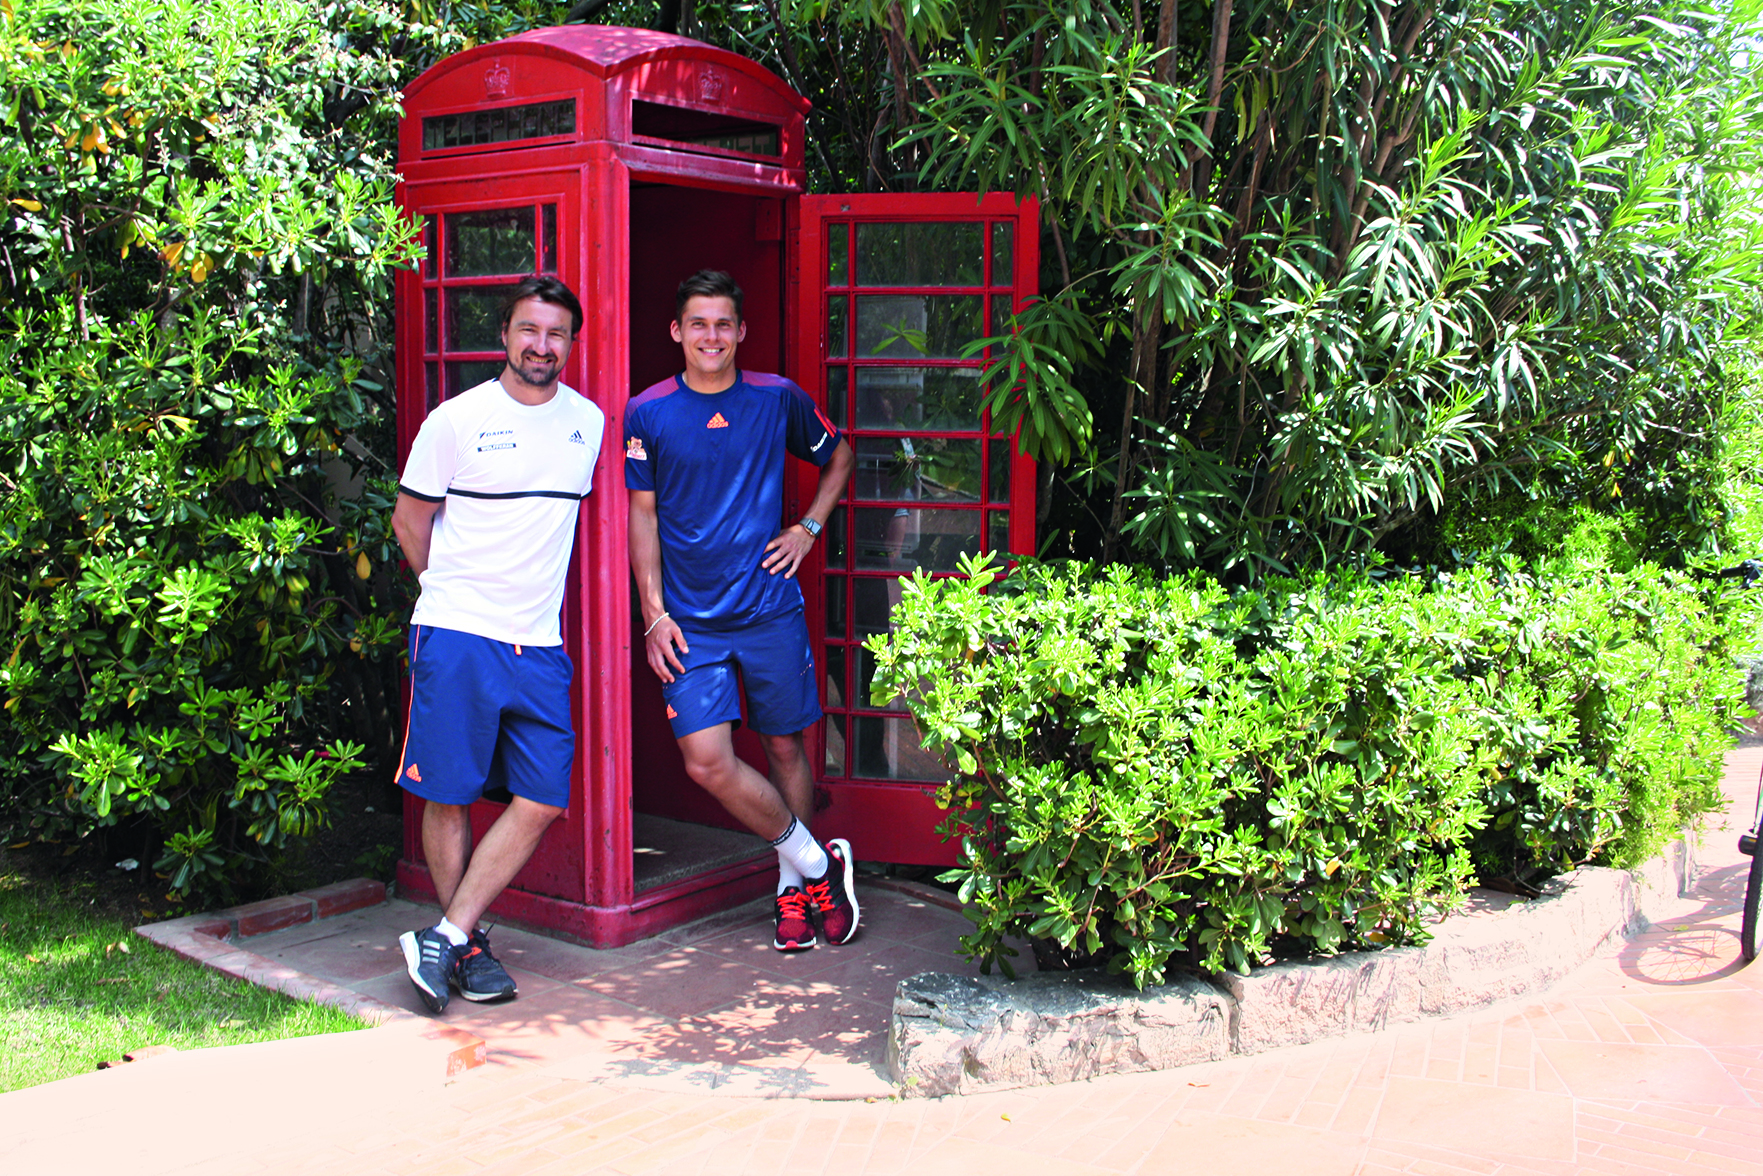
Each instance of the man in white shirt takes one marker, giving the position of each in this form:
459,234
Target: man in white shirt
486,515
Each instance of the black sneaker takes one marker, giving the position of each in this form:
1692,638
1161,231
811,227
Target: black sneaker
480,975
832,896
795,930
431,962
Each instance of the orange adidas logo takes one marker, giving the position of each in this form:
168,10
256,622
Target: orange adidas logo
716,422
671,713
412,773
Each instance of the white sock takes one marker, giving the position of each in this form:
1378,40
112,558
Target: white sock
787,873
454,935
797,845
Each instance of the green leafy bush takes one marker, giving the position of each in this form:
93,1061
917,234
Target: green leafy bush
196,585
1148,770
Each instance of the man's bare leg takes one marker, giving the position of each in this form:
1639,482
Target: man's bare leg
749,797
446,846
506,847
788,763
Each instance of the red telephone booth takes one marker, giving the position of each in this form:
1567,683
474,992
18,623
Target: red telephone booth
623,160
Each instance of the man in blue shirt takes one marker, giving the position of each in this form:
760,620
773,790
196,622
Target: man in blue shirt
704,463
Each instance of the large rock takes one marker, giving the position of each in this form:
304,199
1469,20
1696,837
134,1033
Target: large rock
957,1035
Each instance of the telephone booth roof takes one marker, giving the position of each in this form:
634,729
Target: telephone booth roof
637,86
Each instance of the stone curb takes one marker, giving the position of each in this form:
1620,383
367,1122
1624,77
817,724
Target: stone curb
212,940
958,1035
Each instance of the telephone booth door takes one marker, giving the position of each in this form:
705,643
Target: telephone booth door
891,290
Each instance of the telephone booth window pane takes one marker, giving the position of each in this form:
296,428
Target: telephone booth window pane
835,328
890,539
838,256
837,388
432,385
835,607
888,748
998,488
835,745
494,241
918,398
548,240
1002,269
474,317
1000,520
430,254
949,253
876,597
834,536
469,373
917,469
431,319
917,326
835,676
865,676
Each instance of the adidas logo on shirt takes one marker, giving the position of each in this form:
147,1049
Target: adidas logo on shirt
576,438
716,422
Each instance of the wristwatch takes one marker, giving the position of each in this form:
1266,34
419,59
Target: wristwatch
809,525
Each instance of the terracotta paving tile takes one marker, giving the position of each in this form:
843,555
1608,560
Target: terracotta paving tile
1725,1163
1615,1070
1447,1115
1610,1143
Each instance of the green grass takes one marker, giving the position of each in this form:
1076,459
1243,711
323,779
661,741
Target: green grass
78,987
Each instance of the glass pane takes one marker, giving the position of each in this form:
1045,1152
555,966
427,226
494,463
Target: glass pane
431,321
834,538
494,241
548,241
835,677
432,384
431,255
1002,268
917,326
876,598
474,317
835,605
835,327
838,255
917,469
866,675
837,387
930,539
889,749
835,745
999,460
469,373
918,398
1000,523
920,254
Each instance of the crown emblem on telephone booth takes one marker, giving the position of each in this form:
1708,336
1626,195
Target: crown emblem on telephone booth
711,82
496,80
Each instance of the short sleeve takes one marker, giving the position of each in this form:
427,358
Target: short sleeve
596,427
810,436
639,466
434,455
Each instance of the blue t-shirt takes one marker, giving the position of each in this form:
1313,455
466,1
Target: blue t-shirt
716,464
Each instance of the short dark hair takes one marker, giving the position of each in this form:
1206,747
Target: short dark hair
545,288
707,284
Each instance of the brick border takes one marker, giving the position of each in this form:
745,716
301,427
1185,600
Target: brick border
213,940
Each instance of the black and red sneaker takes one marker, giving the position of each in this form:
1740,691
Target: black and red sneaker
795,930
832,895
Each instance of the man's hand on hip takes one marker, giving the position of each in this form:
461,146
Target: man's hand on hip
786,552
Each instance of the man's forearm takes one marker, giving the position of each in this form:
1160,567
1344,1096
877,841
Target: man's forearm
833,477
645,553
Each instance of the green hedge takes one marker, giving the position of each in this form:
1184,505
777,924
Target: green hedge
1149,771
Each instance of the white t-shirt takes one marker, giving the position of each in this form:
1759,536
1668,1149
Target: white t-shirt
510,478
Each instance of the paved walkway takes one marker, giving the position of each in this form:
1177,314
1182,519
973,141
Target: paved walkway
1647,1061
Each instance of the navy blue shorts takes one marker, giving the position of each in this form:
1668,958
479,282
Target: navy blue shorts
776,669
487,715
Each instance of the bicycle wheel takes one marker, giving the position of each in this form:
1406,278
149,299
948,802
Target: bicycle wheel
1750,931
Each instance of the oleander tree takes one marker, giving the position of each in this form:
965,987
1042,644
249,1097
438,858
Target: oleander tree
1327,279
